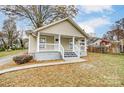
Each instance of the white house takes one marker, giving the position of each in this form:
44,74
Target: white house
94,42
62,39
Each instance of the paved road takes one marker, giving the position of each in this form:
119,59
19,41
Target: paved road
7,59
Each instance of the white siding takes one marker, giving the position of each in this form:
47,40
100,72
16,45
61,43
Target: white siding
47,56
64,28
32,44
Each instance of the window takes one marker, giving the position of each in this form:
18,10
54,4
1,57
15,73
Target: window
82,44
43,42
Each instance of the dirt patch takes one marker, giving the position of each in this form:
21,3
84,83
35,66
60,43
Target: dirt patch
87,66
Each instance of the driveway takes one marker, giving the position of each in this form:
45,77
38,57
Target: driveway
7,59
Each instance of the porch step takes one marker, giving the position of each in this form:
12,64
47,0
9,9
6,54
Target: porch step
70,55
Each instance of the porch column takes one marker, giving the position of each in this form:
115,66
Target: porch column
38,41
73,42
59,42
85,40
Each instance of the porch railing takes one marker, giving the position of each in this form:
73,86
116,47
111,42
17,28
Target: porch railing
52,47
62,51
57,47
77,50
48,47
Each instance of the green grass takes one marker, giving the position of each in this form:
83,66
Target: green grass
11,52
100,70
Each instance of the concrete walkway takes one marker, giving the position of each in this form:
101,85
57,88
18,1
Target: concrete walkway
7,59
41,65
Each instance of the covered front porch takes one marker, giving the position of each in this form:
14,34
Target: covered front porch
66,45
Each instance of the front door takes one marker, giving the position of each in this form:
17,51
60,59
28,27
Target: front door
56,41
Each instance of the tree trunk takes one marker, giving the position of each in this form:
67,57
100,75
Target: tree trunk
4,45
21,42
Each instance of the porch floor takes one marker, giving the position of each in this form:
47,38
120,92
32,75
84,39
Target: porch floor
42,65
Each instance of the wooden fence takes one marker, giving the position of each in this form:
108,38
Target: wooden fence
98,49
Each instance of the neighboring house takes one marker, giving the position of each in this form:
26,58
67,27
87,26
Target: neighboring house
105,46
63,39
98,42
98,45
94,41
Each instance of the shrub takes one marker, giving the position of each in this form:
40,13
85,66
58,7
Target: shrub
2,49
22,59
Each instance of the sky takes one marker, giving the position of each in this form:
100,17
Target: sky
99,19
93,19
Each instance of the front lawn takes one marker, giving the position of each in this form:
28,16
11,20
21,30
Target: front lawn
11,52
100,70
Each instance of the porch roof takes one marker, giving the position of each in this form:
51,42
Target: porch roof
65,19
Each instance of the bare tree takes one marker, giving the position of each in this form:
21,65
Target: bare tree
120,23
40,15
21,38
116,33
109,35
3,43
9,32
